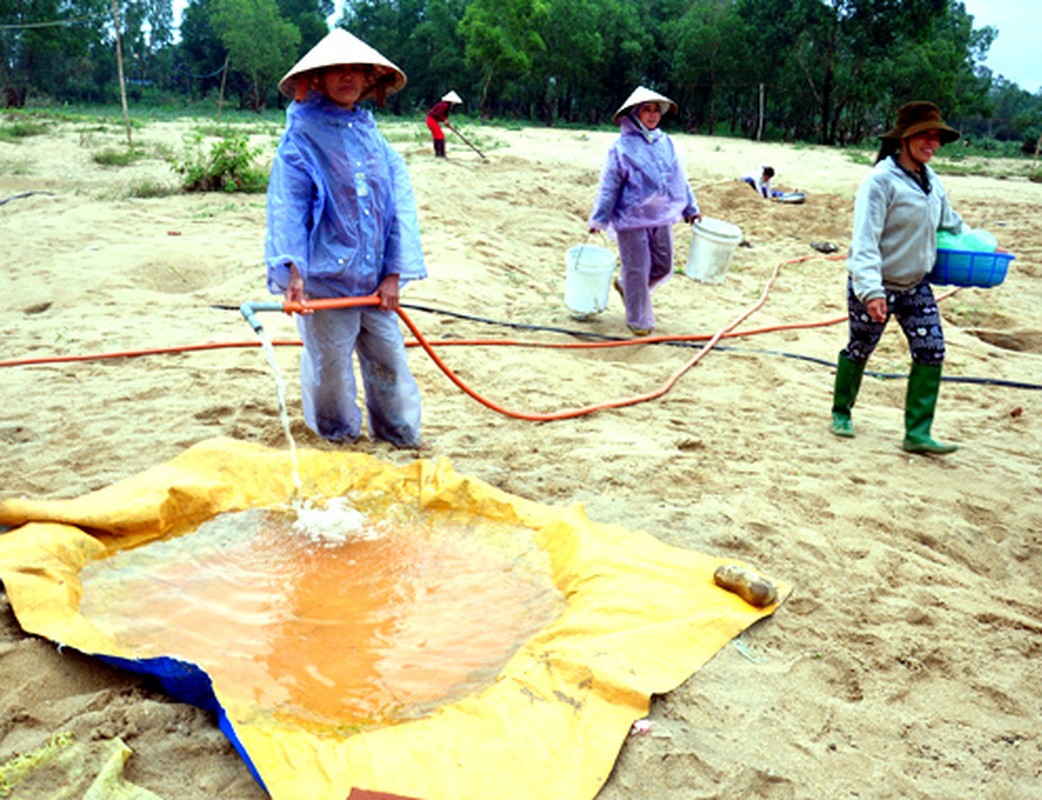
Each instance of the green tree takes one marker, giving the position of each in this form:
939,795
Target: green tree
767,43
260,43
710,55
1010,114
831,70
629,56
310,18
502,41
435,59
201,53
146,29
837,62
567,71
52,47
944,66
391,27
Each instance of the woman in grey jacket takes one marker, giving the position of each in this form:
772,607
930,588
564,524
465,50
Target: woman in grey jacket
898,210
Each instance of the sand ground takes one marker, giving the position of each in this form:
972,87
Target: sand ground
907,660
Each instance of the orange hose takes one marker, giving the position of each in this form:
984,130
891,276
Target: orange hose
187,348
558,415
152,351
344,302
628,401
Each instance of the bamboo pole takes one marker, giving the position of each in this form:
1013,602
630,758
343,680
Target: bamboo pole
220,97
759,122
119,67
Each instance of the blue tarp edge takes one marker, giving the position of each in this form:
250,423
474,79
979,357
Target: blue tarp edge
186,683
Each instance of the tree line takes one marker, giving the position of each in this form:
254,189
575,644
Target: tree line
829,71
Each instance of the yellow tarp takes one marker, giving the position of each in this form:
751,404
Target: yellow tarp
64,769
639,618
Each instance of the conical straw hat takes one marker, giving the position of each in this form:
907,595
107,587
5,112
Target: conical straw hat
452,97
340,47
642,95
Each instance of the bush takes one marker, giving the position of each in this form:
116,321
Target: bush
147,189
112,157
227,168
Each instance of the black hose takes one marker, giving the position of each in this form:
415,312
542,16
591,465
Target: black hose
20,195
812,359
606,337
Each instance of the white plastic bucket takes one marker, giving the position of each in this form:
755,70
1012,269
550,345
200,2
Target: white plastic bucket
713,242
588,279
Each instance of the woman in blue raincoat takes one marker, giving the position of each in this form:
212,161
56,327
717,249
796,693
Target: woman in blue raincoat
643,192
342,222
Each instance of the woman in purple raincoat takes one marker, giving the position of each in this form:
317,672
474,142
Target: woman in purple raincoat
643,193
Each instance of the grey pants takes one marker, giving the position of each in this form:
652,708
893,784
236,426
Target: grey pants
647,261
327,377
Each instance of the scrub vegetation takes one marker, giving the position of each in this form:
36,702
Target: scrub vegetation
14,130
115,157
983,158
228,166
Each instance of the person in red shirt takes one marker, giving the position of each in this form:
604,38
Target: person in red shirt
438,114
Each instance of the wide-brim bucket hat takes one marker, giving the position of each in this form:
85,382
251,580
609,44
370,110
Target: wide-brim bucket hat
452,97
642,95
340,47
919,116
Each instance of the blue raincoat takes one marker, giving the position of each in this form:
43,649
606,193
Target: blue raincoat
341,209
340,205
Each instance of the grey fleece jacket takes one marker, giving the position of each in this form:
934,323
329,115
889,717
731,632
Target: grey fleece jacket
895,230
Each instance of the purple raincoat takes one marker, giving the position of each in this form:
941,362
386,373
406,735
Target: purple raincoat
643,184
643,192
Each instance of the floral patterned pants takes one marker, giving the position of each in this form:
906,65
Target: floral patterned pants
916,311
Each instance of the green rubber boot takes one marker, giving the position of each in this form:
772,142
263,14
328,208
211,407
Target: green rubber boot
924,384
848,383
